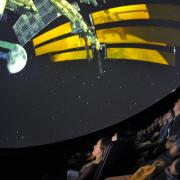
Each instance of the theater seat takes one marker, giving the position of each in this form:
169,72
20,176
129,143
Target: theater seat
118,159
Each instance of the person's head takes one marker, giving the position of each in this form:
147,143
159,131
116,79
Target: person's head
100,147
156,121
176,107
160,122
168,116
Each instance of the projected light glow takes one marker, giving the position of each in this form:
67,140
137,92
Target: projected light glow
62,95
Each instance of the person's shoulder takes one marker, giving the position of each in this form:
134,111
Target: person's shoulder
176,120
178,117
177,123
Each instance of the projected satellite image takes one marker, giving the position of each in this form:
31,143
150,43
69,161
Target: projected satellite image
82,66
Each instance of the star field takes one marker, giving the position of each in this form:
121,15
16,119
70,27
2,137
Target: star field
50,102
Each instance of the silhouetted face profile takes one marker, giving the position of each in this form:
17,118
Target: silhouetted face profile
167,117
97,151
176,107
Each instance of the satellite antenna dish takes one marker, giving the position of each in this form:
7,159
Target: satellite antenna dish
16,56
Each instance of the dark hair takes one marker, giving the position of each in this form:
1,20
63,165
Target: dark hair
104,144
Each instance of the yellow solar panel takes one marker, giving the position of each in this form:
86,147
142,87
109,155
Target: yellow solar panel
56,32
127,12
60,45
137,54
146,55
165,35
138,11
136,34
120,35
146,35
74,55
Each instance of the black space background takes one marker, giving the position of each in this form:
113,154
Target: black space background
51,102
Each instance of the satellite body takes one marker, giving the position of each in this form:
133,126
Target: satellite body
14,5
94,2
28,5
76,19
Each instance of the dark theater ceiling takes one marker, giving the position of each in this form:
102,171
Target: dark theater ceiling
61,94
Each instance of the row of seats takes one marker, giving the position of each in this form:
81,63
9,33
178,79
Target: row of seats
152,153
159,142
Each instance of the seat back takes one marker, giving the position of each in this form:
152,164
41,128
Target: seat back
117,160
